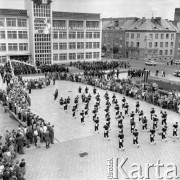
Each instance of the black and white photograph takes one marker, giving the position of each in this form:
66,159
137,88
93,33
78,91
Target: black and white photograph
89,89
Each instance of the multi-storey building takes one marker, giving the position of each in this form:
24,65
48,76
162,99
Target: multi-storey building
113,33
152,39
76,36
38,34
14,35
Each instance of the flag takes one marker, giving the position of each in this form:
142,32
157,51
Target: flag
146,76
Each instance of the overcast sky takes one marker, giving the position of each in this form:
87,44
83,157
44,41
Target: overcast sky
110,8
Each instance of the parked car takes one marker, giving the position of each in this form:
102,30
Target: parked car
177,73
150,63
177,62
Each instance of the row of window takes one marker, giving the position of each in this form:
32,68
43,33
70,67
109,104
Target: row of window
43,58
151,36
42,10
75,24
43,37
74,56
78,45
74,35
161,44
166,52
14,47
13,22
14,34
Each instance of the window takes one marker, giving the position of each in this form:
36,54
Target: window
62,45
166,44
127,35
55,35
138,44
22,35
12,47
172,36
12,34
23,46
96,45
72,56
161,44
92,24
62,35
96,35
22,23
1,22
127,44
172,44
62,57
59,24
80,35
166,52
2,59
138,35
80,45
150,44
2,34
156,36
132,44
88,45
171,52
55,46
89,55
151,36
162,36
80,55
72,35
167,36
160,52
72,45
96,55
76,24
11,22
132,36
156,44
55,57
89,35
2,47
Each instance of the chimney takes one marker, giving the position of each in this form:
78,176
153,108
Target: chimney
177,15
143,19
158,19
152,19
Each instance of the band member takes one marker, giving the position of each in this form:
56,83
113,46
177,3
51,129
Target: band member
96,127
65,105
94,90
133,125
113,98
117,110
123,102
74,112
56,94
164,131
175,128
106,131
61,102
120,126
68,100
135,137
141,113
164,117
152,113
121,140
120,118
144,121
152,136
132,115
137,107
86,90
80,89
126,108
82,117
155,121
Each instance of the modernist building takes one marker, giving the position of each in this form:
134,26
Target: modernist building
152,39
14,35
38,34
113,33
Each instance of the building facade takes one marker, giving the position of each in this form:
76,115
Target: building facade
14,35
113,34
41,36
151,39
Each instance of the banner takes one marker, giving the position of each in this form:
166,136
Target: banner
42,25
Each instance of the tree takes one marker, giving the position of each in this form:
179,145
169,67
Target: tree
104,48
115,49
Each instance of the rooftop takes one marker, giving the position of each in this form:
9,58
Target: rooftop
13,12
75,15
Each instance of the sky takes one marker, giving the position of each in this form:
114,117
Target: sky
110,8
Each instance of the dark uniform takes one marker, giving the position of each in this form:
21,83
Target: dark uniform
152,113
121,140
123,102
144,121
135,137
106,131
175,128
152,135
126,108
137,107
